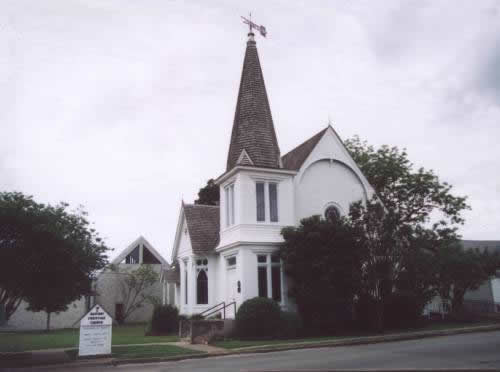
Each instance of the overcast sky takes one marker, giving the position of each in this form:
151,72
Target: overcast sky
126,106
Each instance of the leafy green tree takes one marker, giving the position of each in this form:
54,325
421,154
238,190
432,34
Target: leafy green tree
323,259
398,225
412,195
209,194
462,270
48,254
137,288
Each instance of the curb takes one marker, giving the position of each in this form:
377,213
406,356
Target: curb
363,340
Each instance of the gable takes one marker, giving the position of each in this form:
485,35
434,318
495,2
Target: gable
197,230
137,250
184,245
330,147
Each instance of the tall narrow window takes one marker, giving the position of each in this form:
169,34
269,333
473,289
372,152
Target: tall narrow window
185,287
273,202
262,281
229,193
261,204
269,276
202,288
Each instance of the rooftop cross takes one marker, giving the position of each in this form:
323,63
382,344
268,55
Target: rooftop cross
251,25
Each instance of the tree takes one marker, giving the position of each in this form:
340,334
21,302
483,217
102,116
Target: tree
324,260
461,270
209,194
411,195
48,255
398,225
137,288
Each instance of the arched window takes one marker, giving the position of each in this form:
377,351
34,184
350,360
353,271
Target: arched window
202,288
332,213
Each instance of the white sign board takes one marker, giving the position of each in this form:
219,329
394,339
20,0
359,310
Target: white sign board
95,333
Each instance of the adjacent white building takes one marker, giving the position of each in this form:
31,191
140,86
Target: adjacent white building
227,253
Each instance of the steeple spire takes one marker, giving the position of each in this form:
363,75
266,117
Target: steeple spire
253,129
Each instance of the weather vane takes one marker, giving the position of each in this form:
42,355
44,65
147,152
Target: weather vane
248,21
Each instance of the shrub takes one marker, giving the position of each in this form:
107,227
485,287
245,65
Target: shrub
196,317
258,317
365,310
401,311
165,319
291,324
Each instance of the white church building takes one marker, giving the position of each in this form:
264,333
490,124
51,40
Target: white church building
226,254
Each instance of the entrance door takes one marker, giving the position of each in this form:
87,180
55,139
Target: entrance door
231,291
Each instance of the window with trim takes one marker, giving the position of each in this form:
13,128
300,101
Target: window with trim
229,193
267,195
332,213
231,262
202,281
269,276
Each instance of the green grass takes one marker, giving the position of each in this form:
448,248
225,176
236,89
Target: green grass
68,338
149,351
235,343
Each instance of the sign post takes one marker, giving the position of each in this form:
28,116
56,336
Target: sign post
95,333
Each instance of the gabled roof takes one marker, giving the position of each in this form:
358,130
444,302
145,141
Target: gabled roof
131,247
203,227
295,158
253,129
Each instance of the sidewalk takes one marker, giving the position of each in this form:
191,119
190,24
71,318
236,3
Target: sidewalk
58,357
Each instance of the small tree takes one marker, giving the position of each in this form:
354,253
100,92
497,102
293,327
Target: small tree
136,288
323,259
209,194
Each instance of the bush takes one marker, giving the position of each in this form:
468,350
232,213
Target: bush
165,320
401,311
196,317
365,310
291,324
258,317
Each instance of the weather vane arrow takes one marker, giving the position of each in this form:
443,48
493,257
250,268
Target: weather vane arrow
252,25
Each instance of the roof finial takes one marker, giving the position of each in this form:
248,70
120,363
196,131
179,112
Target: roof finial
252,25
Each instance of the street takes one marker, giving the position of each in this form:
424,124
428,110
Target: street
477,350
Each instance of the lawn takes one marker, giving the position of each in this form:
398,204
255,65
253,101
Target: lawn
149,351
235,344
68,338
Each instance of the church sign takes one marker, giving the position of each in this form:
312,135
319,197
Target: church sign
95,333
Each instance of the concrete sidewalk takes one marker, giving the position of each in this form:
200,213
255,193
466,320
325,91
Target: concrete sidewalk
58,357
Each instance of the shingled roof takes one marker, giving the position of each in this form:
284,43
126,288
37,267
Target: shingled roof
253,129
203,227
294,159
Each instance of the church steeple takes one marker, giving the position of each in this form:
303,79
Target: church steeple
253,132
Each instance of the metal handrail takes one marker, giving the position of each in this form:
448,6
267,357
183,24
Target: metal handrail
223,303
213,309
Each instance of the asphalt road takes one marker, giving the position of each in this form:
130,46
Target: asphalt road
477,350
